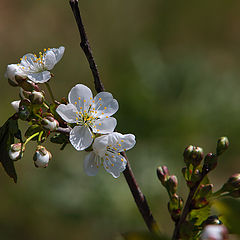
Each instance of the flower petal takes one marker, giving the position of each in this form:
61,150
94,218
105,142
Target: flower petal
80,96
90,164
12,71
114,164
121,142
67,112
15,105
106,125
80,137
100,145
40,77
58,52
49,60
105,104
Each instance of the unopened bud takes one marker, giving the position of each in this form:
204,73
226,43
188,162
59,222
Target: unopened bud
50,123
163,174
217,232
41,157
175,206
222,145
16,151
36,97
172,184
210,162
193,155
232,183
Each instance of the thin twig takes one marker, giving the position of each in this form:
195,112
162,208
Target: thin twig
128,174
85,46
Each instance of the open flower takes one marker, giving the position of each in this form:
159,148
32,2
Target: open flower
36,68
107,152
89,114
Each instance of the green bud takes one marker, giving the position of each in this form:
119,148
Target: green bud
202,196
172,184
193,155
163,174
222,145
23,112
175,206
233,183
205,190
210,162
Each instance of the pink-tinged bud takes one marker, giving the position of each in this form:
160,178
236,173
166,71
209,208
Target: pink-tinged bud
16,151
222,145
41,157
233,183
163,174
210,162
175,206
214,232
50,123
193,155
172,184
36,97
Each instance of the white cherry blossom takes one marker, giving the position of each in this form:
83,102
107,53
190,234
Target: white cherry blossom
89,115
107,153
36,68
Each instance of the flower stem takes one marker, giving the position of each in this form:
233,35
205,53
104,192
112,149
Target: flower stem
50,91
30,138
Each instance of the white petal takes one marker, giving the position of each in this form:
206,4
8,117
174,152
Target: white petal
80,137
12,71
105,104
67,112
121,142
40,77
49,60
114,164
28,60
15,105
100,145
104,125
58,52
91,165
80,96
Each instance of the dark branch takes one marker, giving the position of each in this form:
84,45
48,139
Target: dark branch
128,174
86,47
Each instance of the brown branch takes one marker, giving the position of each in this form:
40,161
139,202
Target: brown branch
128,174
85,46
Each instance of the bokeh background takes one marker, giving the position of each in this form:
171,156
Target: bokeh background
174,68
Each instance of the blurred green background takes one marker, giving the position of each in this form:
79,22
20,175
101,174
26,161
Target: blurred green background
174,68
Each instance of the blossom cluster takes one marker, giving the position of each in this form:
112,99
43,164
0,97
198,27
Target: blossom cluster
89,118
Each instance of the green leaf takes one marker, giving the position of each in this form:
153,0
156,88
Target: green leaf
143,236
7,133
200,214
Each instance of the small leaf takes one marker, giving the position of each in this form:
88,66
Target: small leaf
7,133
200,214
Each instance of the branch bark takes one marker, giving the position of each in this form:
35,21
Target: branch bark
128,174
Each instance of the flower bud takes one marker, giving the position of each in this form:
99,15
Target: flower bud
175,206
210,162
222,145
205,190
50,123
232,183
217,232
16,151
41,157
36,97
171,184
193,155
163,174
